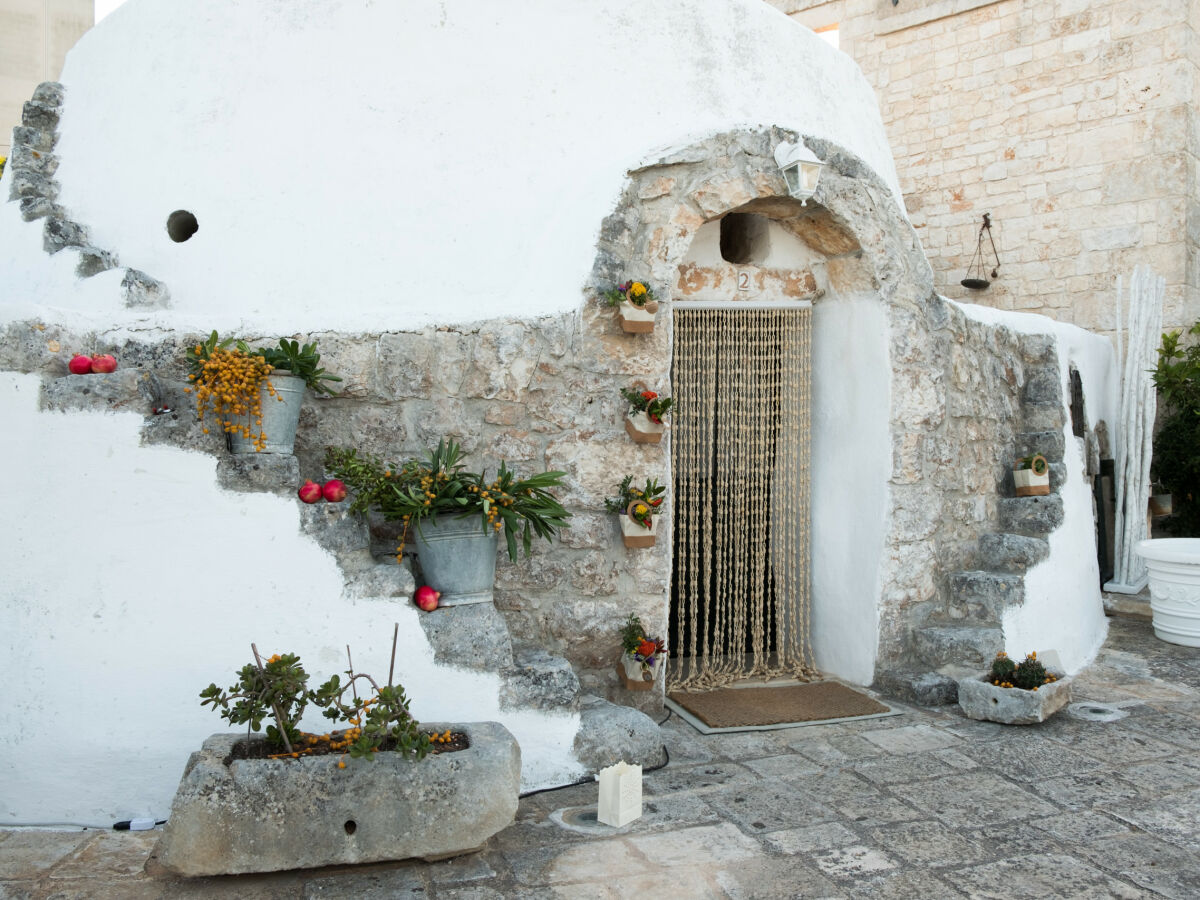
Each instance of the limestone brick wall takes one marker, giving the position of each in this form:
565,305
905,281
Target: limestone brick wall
1072,123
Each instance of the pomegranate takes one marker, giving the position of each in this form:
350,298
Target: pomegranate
310,492
426,598
334,491
80,365
104,364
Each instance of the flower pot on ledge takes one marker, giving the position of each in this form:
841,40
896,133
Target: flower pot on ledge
636,536
643,431
637,319
980,699
633,676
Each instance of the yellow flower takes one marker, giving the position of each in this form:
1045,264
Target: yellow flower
641,509
637,289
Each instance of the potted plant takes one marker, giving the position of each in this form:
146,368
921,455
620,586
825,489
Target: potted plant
635,305
637,511
1031,476
246,802
644,423
229,378
1176,464
455,515
1014,693
642,657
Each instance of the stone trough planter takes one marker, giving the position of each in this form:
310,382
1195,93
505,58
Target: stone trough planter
980,699
232,817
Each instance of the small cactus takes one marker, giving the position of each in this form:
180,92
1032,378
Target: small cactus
1002,670
1030,674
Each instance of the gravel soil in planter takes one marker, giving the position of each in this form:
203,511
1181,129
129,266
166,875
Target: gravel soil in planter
232,816
980,699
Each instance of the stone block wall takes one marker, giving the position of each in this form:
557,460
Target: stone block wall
1073,124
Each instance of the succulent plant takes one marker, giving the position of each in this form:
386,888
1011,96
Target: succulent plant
1030,674
1002,669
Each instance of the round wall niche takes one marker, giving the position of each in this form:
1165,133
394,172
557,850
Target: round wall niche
744,238
181,225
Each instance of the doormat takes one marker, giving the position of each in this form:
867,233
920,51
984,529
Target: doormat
785,706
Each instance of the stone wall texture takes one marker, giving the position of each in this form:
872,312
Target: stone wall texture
1072,123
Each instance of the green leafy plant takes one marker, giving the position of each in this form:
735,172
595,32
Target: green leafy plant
637,293
1002,669
638,503
1028,675
440,485
277,689
1176,461
1036,462
301,361
654,406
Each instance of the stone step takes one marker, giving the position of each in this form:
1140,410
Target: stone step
959,645
474,636
125,389
1048,443
609,733
1011,552
539,680
1031,516
1043,416
983,596
917,686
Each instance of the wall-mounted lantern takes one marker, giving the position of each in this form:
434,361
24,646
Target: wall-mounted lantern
980,281
801,169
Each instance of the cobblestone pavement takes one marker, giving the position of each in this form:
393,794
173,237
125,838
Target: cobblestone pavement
923,805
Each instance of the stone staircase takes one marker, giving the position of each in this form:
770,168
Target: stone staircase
962,633
474,637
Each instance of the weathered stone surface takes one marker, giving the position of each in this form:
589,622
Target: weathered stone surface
539,680
30,159
961,645
141,291
1031,516
59,234
922,688
112,391
1043,416
984,596
93,261
980,699
470,637
31,184
35,138
274,473
1043,386
609,734
40,115
387,581
333,525
271,815
49,92
34,208
1011,552
1048,443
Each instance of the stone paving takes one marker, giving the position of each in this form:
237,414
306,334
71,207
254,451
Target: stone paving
924,805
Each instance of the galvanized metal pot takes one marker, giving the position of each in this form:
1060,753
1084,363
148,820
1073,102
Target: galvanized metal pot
280,415
458,559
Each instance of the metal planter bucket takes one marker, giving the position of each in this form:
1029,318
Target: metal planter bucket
280,417
458,559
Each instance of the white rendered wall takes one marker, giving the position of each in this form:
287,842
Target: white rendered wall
851,464
132,581
357,164
1063,609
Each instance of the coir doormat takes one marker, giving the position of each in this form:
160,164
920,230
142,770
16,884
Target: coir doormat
750,708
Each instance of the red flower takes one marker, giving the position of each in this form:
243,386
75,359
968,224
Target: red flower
646,648
656,502
649,395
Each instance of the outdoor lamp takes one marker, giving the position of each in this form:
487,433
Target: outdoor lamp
800,168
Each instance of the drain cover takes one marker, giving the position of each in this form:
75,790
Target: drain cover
581,819
1095,712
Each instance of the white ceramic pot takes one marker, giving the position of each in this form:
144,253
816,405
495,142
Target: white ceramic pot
1029,484
639,427
635,535
636,319
1174,565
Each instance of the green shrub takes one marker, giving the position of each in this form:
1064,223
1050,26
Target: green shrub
1176,461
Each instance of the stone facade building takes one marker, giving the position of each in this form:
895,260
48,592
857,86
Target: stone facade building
1072,123
35,36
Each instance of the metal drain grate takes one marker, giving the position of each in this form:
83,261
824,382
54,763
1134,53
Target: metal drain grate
1095,712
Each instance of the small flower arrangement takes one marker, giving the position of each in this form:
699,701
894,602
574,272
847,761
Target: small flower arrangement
636,509
439,484
1035,463
640,656
648,402
637,293
377,719
228,378
1028,675
1031,476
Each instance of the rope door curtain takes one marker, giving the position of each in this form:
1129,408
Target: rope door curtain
740,456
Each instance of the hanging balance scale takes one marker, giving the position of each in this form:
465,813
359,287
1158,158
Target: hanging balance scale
980,281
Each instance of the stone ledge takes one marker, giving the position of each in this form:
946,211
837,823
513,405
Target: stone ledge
272,815
262,472
609,734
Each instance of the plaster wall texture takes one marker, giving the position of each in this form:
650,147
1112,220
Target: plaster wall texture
133,581
1073,124
485,154
35,36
